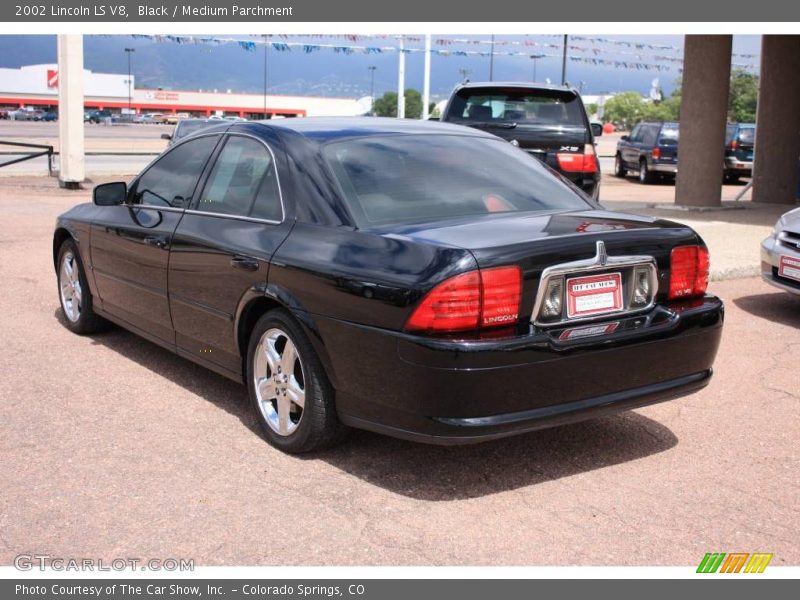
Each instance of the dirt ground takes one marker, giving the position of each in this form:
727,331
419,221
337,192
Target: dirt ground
112,447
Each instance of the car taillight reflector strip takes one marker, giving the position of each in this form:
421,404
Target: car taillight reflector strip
577,162
689,267
473,300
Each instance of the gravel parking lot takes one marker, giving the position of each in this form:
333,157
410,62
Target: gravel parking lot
112,447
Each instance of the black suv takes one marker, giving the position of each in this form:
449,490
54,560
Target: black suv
739,141
651,149
548,122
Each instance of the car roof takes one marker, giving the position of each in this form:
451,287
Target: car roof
517,84
675,123
323,129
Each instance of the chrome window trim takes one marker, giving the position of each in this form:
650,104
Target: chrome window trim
200,212
213,214
600,262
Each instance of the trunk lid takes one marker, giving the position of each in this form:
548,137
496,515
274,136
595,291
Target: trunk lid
535,242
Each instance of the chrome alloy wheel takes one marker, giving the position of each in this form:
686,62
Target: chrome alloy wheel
70,284
279,382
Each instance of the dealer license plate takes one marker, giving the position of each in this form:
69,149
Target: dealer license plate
594,295
789,268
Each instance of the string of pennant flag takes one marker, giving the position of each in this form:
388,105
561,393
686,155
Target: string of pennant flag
594,41
283,43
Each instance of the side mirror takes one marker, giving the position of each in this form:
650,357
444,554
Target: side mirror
110,194
166,136
625,138
597,129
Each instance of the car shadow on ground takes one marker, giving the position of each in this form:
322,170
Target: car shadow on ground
778,307
421,471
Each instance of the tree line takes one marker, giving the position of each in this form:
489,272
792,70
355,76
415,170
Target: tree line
627,109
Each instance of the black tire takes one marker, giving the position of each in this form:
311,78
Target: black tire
318,426
731,178
85,321
619,166
645,174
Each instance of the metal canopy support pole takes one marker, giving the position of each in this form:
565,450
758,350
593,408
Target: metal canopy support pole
70,111
426,84
564,62
401,80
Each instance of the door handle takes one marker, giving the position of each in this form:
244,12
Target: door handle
244,262
156,240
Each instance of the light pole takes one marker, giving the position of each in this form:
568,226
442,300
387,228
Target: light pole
129,51
372,90
491,60
564,63
266,45
535,57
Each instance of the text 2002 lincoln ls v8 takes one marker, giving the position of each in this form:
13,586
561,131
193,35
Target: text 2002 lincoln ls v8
423,280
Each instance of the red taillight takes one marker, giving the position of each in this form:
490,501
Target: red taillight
734,144
575,162
472,300
502,290
656,154
688,272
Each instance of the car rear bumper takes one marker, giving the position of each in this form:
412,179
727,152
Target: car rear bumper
734,165
771,252
455,392
668,168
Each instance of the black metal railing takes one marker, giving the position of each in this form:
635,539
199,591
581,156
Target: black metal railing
41,150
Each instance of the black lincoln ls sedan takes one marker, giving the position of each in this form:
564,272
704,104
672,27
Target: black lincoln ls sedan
424,280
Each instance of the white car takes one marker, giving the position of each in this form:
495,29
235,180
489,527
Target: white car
780,254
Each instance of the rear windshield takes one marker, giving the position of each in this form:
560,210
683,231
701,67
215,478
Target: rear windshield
747,135
531,107
412,178
669,135
189,127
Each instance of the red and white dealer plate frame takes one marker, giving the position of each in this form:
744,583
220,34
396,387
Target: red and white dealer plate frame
789,267
594,295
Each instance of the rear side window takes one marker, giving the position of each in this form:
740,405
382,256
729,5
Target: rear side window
243,182
417,178
171,180
514,105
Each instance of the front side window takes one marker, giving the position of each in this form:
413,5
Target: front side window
171,180
405,178
243,182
